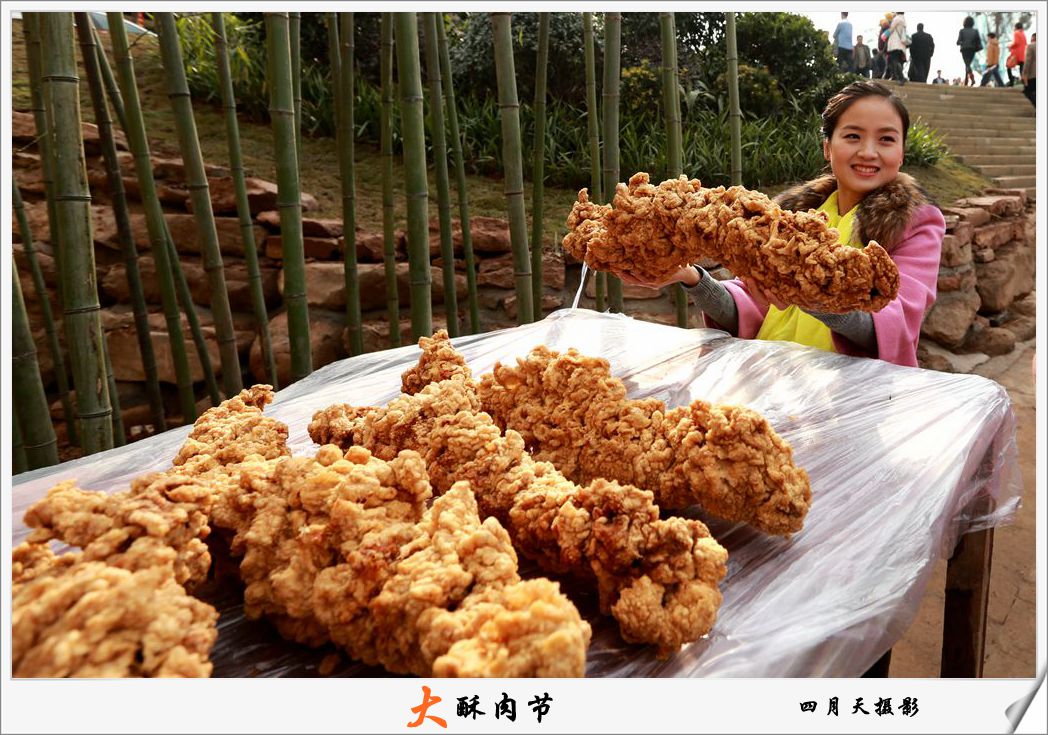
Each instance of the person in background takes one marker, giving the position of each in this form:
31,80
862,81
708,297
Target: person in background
882,44
861,58
922,48
940,79
897,40
993,61
970,42
879,65
1016,53
865,198
1029,71
842,39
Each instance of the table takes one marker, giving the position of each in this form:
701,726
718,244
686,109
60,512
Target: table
902,461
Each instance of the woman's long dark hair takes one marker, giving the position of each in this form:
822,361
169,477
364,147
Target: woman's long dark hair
844,99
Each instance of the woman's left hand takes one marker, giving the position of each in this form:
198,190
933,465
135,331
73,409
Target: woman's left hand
763,298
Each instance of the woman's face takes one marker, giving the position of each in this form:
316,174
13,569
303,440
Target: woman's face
866,149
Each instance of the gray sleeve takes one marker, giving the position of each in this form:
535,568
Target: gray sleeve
856,326
715,300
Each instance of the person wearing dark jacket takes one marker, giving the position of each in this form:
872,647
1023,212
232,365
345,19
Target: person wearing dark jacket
922,47
970,42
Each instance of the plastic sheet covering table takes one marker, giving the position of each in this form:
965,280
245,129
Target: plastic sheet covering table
898,459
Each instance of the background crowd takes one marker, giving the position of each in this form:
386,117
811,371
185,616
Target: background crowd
904,57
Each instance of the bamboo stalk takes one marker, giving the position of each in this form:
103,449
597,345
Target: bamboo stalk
31,30
90,54
734,113
674,147
185,302
53,343
155,223
18,460
295,41
538,190
612,63
460,177
389,258
32,413
82,320
440,158
600,281
117,417
513,165
236,169
347,172
112,91
200,196
413,132
282,113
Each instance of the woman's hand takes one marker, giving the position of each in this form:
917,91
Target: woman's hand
686,275
762,298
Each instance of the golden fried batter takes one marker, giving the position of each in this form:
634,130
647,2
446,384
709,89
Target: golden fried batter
74,617
658,578
439,361
572,412
652,231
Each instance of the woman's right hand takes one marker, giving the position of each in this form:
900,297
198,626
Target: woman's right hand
686,275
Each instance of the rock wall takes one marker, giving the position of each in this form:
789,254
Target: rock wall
985,301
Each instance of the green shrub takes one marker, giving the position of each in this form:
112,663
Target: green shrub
924,146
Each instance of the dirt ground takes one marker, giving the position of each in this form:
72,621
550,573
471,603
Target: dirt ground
1012,616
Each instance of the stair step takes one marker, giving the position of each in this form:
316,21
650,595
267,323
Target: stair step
1020,109
1017,182
995,121
990,138
1025,169
963,152
935,89
1011,158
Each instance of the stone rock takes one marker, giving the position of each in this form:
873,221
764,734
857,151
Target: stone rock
184,233
326,287
36,216
320,248
1026,306
376,332
47,269
1023,327
30,182
23,133
994,204
948,320
973,215
958,363
954,253
489,235
550,302
238,286
956,279
168,192
127,360
1009,275
993,235
1021,193
963,231
310,227
989,341
261,196
325,336
984,256
498,272
933,361
371,247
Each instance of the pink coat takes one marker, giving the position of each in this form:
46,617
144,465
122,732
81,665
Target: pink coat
898,325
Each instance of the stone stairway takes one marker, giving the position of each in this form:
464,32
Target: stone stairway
991,129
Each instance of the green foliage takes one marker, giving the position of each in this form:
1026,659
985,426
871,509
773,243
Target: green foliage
640,88
759,94
247,64
924,146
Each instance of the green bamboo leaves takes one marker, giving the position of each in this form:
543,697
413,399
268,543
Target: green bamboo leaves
509,111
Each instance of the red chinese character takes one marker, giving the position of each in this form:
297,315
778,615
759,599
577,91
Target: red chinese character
427,701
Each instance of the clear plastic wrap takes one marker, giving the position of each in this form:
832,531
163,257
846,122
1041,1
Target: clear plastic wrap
902,461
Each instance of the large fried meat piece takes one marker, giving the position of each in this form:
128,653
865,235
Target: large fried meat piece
342,548
572,412
439,361
74,617
130,529
658,578
652,231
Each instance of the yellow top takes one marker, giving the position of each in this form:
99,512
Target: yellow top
793,325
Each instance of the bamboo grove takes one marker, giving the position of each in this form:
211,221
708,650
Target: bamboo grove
417,89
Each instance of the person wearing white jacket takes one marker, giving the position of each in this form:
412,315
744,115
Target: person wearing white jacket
897,43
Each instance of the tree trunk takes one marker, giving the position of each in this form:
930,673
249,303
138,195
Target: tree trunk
282,113
509,111
157,227
460,177
612,62
82,320
674,152
32,414
440,158
90,53
236,168
538,166
346,154
734,113
600,281
389,258
413,131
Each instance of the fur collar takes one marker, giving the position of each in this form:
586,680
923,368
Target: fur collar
882,216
